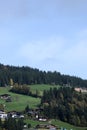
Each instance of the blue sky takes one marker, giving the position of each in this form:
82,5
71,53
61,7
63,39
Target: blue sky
45,34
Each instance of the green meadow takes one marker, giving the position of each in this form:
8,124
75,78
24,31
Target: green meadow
19,102
41,88
58,123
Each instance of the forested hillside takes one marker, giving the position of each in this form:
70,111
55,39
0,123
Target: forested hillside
65,104
27,75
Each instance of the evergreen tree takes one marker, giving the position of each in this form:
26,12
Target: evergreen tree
27,109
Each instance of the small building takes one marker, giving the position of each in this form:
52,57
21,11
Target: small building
14,116
21,116
46,127
81,90
42,119
3,115
5,96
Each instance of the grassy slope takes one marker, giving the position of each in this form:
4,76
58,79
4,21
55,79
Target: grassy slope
19,102
57,123
42,87
68,126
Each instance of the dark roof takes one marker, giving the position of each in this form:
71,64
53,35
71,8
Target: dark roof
5,95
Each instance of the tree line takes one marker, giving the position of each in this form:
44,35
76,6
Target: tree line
25,90
65,104
12,124
27,75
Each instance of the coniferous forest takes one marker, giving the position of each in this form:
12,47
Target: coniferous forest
65,104
27,75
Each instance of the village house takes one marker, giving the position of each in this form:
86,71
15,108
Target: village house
46,127
3,115
15,114
5,96
81,90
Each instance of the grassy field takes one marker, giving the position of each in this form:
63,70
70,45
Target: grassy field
41,87
19,102
58,123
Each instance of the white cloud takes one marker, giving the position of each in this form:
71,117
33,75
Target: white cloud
77,53
57,54
55,48
39,51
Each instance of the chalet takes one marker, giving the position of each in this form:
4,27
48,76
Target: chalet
21,116
5,96
15,114
81,89
46,127
42,119
3,115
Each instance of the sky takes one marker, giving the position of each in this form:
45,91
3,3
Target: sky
50,35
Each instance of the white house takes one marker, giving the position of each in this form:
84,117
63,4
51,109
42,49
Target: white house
3,115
